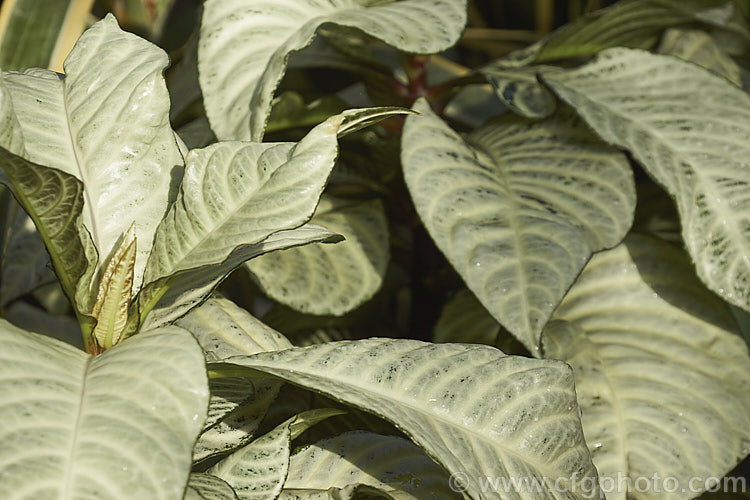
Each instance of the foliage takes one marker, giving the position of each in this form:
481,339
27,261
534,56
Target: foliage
397,277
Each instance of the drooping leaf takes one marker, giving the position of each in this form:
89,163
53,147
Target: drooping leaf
696,148
662,377
54,201
387,463
258,470
106,123
190,288
244,46
118,425
518,208
330,279
700,48
24,261
227,394
202,486
473,409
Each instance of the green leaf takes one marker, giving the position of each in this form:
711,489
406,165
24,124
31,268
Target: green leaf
330,279
473,409
118,425
202,486
32,32
389,464
696,148
242,51
662,377
629,23
190,288
24,261
258,470
54,201
518,208
700,48
106,123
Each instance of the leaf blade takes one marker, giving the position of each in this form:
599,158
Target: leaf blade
87,416
459,419
697,153
517,208
330,279
661,374
255,44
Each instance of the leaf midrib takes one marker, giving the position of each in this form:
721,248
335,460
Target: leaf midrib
69,476
289,376
88,197
500,173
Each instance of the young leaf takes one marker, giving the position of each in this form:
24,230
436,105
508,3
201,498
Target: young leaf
330,279
258,470
105,123
518,209
662,377
690,130
113,298
389,464
118,425
243,47
473,409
